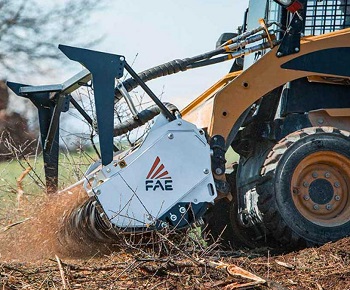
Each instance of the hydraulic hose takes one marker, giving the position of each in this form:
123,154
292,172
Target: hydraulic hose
228,49
165,69
169,68
142,118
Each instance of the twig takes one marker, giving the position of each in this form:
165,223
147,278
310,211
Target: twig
156,285
76,267
61,272
243,286
19,153
231,269
129,267
14,224
20,190
286,265
12,268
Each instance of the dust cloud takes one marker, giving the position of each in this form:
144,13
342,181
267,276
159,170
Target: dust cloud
39,236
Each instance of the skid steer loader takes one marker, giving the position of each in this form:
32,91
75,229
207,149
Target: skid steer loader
284,108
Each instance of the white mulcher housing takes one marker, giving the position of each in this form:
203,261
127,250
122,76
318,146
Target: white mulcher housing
166,180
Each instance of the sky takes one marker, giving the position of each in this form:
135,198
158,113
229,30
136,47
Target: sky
159,31
149,33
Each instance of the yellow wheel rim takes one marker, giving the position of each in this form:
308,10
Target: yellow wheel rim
320,188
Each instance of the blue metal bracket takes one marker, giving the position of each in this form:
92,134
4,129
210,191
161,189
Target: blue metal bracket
51,100
104,68
46,107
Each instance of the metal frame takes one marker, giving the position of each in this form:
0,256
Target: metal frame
326,16
50,100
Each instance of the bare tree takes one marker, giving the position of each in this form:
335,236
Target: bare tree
31,29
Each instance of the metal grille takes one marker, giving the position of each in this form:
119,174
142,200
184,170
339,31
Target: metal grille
273,11
326,16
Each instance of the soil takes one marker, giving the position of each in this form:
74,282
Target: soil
33,256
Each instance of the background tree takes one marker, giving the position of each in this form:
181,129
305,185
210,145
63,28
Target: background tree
30,31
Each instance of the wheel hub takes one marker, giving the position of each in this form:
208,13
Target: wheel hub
321,191
320,188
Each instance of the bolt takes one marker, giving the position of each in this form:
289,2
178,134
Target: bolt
218,171
201,132
171,136
279,54
179,123
122,58
336,184
296,49
182,210
206,171
98,192
306,197
328,207
327,175
195,200
108,170
320,121
149,217
164,225
337,197
306,184
200,222
173,217
316,207
314,174
296,190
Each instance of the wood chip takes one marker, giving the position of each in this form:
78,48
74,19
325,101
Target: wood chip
286,265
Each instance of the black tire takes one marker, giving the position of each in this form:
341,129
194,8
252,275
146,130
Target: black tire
217,227
221,222
304,195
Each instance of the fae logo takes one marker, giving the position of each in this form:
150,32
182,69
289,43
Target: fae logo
158,178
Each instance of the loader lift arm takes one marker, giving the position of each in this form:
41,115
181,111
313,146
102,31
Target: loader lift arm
230,97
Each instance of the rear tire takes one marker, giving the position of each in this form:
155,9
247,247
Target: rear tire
304,195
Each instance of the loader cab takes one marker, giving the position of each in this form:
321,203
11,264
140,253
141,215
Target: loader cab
292,102
319,17
271,11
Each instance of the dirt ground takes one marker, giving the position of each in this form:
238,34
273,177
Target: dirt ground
34,257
